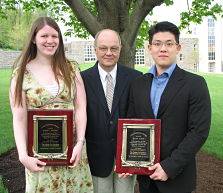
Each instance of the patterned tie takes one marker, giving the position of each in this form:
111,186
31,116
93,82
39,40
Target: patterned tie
109,91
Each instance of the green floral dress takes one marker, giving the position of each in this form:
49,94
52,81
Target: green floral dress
55,179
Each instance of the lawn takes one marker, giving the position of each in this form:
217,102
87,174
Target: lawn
6,132
2,188
214,143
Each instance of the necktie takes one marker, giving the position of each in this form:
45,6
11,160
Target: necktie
109,91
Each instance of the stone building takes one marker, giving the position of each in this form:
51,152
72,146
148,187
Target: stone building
187,57
82,51
209,33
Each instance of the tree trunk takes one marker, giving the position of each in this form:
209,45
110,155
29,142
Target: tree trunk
127,56
123,16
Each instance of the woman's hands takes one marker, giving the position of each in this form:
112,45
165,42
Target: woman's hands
32,164
76,154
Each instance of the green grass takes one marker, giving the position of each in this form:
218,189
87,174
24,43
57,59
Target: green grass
6,131
142,68
2,188
85,66
213,144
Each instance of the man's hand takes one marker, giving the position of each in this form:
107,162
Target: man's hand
159,173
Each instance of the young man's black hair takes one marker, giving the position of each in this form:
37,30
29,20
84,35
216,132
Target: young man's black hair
164,26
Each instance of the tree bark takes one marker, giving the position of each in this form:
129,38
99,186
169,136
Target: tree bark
123,16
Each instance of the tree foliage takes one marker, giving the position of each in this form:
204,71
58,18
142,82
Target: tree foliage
87,17
14,28
198,10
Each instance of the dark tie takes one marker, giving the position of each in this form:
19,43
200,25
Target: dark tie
109,90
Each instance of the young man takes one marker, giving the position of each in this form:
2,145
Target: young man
181,100
107,88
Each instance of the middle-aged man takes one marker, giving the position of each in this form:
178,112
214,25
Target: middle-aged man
181,100
107,88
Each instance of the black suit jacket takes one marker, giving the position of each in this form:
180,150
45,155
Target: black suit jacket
101,124
185,113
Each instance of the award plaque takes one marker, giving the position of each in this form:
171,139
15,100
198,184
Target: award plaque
138,145
50,136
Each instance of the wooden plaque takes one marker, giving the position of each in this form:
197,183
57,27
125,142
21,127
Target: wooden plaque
138,145
50,136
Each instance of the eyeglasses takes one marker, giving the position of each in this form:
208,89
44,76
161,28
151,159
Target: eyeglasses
167,44
113,50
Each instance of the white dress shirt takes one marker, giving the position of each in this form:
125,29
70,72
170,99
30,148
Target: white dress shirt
103,73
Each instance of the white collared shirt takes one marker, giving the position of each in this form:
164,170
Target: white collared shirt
103,73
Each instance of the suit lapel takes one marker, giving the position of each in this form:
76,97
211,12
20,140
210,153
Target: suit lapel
96,85
145,98
175,83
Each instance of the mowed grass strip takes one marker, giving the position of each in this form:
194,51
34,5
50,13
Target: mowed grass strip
2,187
6,131
214,143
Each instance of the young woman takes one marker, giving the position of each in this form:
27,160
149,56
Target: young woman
44,78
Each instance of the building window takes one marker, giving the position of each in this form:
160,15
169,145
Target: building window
211,39
89,54
66,48
194,31
211,55
195,67
211,23
195,46
211,66
181,57
140,56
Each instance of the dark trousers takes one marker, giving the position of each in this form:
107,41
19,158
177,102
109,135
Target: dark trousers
150,187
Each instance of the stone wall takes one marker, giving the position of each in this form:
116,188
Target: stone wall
75,51
7,58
